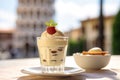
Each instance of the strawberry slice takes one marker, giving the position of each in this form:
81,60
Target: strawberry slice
51,30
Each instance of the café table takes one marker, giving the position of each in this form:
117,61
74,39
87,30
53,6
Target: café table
11,70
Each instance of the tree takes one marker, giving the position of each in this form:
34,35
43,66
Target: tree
116,35
76,46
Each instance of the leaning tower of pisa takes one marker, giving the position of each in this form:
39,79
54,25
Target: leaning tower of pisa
32,14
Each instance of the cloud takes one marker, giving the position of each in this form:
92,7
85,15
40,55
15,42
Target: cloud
111,8
69,13
7,19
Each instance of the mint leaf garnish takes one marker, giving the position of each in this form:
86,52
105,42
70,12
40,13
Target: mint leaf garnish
51,23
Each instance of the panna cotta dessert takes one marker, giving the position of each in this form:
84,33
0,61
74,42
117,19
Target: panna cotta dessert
52,46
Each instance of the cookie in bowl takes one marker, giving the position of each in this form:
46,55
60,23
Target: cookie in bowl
95,51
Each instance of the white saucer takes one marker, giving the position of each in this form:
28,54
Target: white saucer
69,71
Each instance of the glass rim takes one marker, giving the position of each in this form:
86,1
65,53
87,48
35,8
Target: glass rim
57,37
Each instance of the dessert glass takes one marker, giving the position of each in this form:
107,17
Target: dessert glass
52,54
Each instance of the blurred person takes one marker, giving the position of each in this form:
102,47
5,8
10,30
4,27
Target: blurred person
11,50
4,54
17,53
27,48
14,52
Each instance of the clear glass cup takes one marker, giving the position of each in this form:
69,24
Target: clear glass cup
52,54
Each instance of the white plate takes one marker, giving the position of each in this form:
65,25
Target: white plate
69,71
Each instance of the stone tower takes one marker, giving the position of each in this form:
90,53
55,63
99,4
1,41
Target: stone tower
32,14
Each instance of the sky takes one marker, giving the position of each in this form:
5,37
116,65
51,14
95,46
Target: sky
68,14
8,14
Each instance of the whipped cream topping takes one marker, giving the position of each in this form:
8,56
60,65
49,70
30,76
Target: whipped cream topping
45,35
95,49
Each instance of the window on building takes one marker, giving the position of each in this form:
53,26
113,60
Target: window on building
19,38
27,25
35,1
42,27
38,14
18,25
18,13
41,1
37,28
95,27
34,26
26,38
24,14
83,29
24,27
21,1
33,37
38,2
31,14
49,1
45,14
28,1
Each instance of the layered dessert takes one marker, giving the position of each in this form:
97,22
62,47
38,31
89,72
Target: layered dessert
94,51
52,46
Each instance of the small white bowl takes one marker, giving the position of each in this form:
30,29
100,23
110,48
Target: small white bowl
92,62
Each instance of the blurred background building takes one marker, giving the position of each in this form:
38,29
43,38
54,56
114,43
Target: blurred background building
6,37
90,32
86,36
32,14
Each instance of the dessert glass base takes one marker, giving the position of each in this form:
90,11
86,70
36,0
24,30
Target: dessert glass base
52,69
68,71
